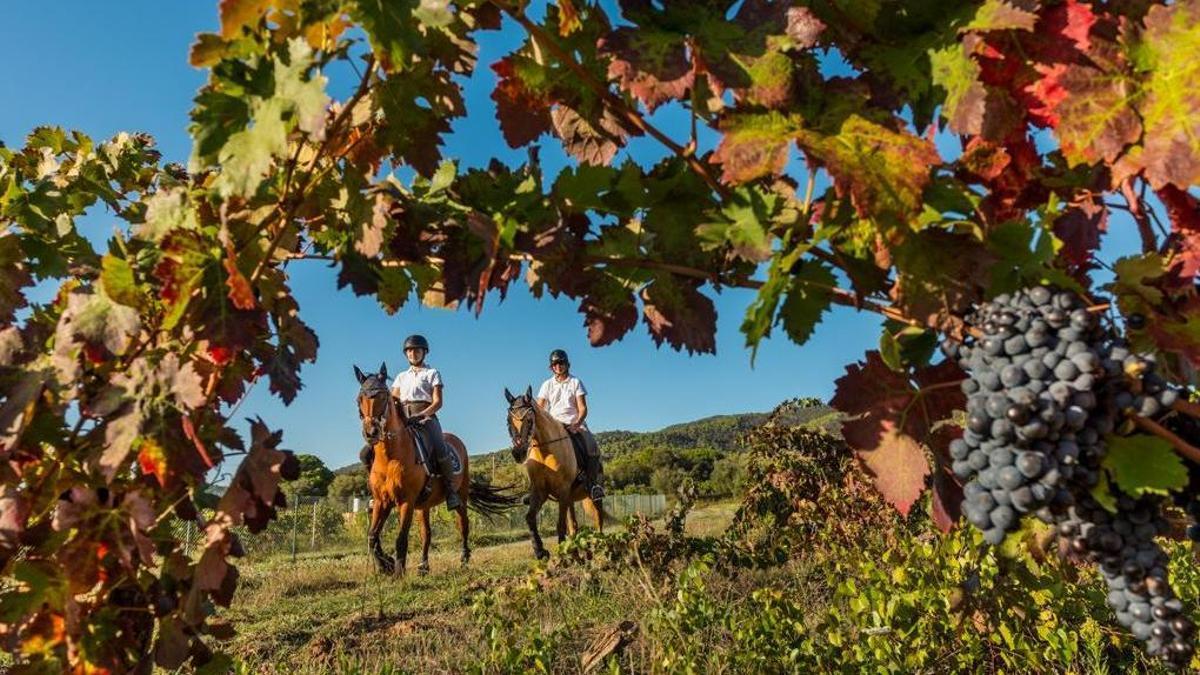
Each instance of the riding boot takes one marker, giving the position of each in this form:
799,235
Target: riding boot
453,501
592,476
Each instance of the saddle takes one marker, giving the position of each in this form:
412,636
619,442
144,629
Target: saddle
425,454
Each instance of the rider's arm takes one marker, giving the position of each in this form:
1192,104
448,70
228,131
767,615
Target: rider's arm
434,405
581,403
543,404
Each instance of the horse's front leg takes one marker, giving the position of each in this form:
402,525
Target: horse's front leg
536,500
426,536
406,515
379,514
572,523
561,530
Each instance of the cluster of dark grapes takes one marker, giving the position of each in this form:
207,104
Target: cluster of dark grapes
1047,381
1135,569
1033,428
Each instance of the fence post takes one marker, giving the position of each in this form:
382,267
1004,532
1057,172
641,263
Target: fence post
313,544
295,519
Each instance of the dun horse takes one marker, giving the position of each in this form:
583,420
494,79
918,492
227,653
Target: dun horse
398,480
542,445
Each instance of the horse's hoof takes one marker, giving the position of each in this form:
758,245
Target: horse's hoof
422,570
465,558
541,554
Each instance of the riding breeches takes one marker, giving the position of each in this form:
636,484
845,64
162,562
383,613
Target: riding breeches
432,429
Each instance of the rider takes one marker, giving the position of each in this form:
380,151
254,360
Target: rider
419,389
564,397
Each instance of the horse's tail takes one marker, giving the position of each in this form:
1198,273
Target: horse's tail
490,500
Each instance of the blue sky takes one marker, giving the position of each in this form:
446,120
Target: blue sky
85,65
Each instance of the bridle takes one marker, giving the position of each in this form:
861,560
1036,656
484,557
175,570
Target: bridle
372,389
520,439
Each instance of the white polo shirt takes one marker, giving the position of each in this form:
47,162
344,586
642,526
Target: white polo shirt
416,384
560,398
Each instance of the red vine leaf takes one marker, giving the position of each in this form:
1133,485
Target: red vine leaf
1079,228
888,420
523,113
651,65
239,288
14,276
676,312
1183,210
898,465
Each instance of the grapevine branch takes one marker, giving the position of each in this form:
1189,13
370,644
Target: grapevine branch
1149,241
838,295
364,86
1181,446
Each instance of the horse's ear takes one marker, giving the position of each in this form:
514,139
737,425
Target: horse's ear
383,370
529,392
508,395
359,374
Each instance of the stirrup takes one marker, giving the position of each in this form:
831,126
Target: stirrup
597,492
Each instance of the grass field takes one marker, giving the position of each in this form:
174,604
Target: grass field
331,612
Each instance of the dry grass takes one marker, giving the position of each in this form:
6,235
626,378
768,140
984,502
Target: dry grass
334,613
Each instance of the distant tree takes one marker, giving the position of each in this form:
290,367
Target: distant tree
314,478
727,477
666,480
346,486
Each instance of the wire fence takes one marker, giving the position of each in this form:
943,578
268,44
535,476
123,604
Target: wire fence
317,524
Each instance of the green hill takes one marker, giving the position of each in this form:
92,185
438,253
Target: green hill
707,450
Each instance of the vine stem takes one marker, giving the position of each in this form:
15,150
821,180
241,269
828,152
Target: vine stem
1181,446
1149,241
614,102
1187,408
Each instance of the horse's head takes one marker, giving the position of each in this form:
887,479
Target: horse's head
373,400
521,418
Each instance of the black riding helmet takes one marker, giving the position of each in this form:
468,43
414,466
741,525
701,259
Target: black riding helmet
559,356
416,342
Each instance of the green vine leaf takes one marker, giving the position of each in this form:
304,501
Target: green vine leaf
1140,464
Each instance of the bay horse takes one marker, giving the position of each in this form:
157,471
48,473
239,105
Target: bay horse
399,481
540,443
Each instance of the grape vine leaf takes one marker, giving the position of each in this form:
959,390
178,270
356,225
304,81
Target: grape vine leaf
651,65
1183,210
1141,464
1170,107
14,276
888,419
676,312
884,170
522,111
